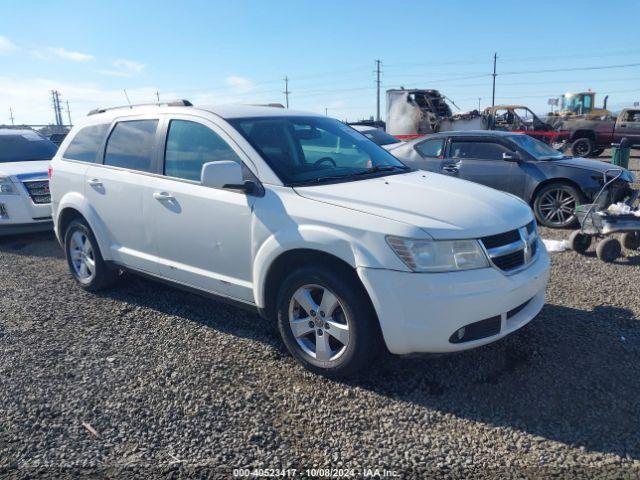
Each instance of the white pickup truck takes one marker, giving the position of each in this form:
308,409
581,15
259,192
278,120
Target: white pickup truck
25,202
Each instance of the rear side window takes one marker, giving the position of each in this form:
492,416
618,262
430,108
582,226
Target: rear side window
25,146
130,145
85,145
431,148
189,146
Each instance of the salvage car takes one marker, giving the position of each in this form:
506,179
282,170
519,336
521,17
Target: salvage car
377,136
24,186
551,182
303,219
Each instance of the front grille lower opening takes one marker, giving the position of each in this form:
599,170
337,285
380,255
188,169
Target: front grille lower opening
477,330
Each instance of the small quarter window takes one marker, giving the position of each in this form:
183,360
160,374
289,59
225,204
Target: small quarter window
85,145
130,145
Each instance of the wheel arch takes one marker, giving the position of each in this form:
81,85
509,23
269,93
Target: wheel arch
74,206
583,133
291,259
549,181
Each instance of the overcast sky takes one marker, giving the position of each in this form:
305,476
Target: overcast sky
240,51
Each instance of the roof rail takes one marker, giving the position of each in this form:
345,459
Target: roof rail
173,103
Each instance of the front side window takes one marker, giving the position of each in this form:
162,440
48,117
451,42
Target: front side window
85,145
25,146
189,146
431,148
130,145
303,150
477,150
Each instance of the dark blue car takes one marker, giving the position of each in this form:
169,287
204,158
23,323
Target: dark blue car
551,182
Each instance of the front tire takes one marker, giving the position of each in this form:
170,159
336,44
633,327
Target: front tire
580,242
327,322
84,258
555,203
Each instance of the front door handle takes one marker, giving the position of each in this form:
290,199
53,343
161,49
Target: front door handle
94,182
163,196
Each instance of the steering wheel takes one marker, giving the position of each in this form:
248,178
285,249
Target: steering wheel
323,160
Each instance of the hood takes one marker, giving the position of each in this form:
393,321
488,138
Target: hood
442,206
19,171
585,164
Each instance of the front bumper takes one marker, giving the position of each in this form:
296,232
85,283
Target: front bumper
18,214
419,312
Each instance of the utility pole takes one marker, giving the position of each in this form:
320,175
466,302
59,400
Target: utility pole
479,98
158,96
378,90
493,95
286,90
326,112
57,110
11,115
69,113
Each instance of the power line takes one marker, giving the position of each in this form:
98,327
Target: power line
573,69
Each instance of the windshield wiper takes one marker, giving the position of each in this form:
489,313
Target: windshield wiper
368,171
376,169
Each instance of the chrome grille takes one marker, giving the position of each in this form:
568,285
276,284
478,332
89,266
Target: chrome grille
38,191
512,250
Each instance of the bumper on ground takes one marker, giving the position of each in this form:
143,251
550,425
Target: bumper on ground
420,312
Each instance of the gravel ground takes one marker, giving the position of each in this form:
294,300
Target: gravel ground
145,380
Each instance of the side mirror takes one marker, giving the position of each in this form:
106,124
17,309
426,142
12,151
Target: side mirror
225,174
511,157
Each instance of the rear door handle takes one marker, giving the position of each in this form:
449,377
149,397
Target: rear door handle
163,196
94,182
450,169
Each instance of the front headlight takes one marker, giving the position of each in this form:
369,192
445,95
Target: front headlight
439,255
7,187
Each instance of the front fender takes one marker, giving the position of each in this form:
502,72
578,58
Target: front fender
323,239
78,202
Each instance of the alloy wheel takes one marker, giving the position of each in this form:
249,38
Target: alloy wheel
557,207
82,256
319,323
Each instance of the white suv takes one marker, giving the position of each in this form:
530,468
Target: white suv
25,203
302,218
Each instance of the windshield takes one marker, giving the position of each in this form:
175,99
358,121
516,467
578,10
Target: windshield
536,148
25,146
379,137
305,150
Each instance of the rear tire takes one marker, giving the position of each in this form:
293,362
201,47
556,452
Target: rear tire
85,261
579,241
608,250
582,147
555,203
326,321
